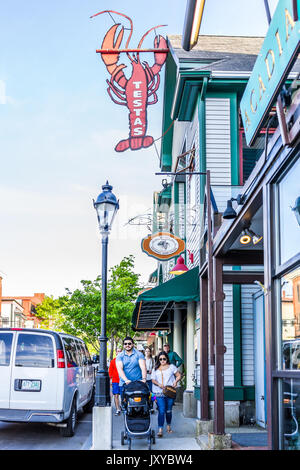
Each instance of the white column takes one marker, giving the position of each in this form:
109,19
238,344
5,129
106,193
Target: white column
190,352
177,336
159,343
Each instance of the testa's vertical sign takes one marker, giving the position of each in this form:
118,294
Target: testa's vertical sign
274,62
139,90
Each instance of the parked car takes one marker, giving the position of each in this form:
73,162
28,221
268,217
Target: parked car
45,377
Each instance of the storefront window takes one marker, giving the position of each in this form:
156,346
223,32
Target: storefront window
289,192
290,320
291,413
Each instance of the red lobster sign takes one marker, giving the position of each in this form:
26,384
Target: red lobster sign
140,89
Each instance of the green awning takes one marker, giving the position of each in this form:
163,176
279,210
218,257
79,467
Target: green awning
153,276
153,305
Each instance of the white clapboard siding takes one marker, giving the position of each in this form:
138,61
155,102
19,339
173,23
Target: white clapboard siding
193,200
181,211
218,145
228,341
247,317
228,336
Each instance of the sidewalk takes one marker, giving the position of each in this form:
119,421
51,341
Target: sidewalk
183,436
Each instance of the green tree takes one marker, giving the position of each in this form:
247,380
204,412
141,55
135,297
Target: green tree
49,312
79,312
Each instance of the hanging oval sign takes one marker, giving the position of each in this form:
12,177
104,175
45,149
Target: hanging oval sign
163,245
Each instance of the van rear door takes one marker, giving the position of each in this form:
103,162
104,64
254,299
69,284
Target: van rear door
34,378
6,342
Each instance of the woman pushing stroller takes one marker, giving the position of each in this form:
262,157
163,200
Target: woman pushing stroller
163,375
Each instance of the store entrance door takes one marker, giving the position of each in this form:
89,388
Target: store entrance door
259,355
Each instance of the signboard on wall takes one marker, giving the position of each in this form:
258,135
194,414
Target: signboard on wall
274,62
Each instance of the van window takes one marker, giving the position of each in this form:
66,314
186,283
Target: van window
82,353
87,354
71,352
5,348
34,351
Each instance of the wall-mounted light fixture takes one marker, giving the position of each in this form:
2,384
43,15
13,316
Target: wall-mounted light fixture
296,209
247,235
229,212
191,256
245,238
180,267
255,238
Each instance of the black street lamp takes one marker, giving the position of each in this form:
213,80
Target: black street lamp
106,206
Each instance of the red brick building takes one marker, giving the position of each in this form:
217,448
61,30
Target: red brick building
28,304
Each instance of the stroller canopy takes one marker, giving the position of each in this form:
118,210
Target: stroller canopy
137,387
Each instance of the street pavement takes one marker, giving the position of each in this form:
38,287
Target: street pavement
40,436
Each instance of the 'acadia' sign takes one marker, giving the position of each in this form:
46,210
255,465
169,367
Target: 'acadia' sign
274,62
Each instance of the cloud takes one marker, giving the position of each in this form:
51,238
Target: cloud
3,98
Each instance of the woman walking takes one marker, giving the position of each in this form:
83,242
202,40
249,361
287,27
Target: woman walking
149,366
164,374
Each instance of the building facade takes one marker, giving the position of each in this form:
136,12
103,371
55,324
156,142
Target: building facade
20,312
234,315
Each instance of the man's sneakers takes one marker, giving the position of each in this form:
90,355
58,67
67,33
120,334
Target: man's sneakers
117,413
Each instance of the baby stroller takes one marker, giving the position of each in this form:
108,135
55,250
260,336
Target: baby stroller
136,405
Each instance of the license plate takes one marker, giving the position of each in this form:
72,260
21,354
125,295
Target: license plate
31,385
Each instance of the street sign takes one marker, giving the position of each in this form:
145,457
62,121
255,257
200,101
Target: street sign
273,64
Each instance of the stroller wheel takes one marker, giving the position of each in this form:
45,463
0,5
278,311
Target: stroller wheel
153,436
129,443
149,443
122,438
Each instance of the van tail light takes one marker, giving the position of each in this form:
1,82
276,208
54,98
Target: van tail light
60,359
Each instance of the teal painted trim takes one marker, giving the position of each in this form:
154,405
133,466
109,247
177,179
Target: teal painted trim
234,138
166,161
160,275
237,337
189,83
169,87
202,145
230,393
189,100
176,208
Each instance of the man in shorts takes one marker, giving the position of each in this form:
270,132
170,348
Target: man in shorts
114,376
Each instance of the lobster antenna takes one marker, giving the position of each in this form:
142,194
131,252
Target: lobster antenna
149,31
121,14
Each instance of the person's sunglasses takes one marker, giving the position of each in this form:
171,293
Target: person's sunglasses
127,344
162,358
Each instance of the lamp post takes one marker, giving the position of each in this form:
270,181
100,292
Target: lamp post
106,206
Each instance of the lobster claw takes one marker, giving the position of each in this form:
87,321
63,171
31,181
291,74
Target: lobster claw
109,42
160,43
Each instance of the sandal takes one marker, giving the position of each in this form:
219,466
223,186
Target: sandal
169,430
160,433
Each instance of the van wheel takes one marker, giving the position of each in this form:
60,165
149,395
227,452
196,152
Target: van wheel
69,430
88,408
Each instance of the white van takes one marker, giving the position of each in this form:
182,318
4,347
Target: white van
44,377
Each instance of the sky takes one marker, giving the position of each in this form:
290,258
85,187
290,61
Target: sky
58,130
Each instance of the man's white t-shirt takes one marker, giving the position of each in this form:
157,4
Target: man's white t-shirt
165,377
